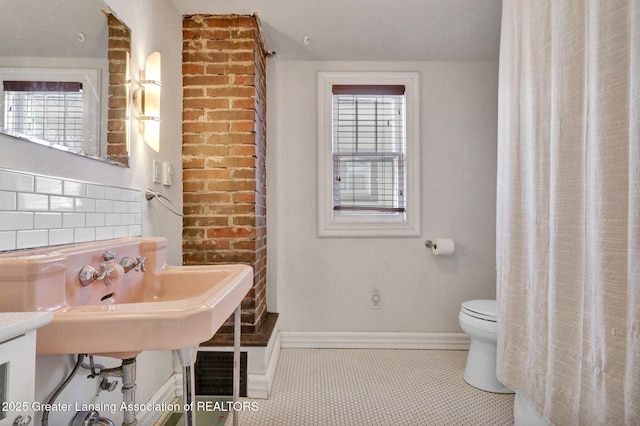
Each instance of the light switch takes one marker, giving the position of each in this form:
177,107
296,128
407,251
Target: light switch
157,171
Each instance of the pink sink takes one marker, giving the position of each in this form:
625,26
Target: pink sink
164,307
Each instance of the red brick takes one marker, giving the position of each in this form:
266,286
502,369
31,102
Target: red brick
231,139
235,92
230,185
230,232
229,69
243,103
242,126
202,198
244,197
205,80
192,162
192,114
191,92
205,174
205,150
195,186
230,114
206,103
224,148
201,126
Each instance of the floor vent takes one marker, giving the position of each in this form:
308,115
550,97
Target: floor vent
214,373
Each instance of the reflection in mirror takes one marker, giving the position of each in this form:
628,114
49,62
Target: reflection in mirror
64,77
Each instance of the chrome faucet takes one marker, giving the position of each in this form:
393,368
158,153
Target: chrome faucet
88,274
109,255
138,264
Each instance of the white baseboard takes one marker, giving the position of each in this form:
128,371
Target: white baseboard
258,385
373,340
166,394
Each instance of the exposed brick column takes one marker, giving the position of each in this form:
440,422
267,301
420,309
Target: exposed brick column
223,149
119,46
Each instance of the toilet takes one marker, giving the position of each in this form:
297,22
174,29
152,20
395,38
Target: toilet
478,320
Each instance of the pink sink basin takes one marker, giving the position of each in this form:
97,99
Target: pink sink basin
164,307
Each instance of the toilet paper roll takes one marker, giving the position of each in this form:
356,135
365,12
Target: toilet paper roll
442,246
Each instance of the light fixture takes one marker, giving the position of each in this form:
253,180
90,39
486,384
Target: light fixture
147,101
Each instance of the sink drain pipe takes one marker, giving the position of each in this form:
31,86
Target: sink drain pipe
127,372
59,389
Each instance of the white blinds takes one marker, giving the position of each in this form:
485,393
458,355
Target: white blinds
52,111
369,149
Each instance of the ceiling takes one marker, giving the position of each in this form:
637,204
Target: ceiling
71,28
370,30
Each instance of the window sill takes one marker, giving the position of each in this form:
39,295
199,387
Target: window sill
351,229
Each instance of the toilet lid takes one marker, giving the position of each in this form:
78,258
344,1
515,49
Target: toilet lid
482,309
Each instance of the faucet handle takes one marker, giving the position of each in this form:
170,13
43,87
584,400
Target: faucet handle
106,273
109,255
140,263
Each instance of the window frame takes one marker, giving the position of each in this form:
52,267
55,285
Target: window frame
332,224
93,143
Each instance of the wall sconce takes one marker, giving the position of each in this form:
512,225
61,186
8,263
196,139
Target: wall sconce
147,101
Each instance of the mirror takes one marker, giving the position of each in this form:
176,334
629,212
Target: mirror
64,77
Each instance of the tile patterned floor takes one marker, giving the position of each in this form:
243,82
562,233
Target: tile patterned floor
353,387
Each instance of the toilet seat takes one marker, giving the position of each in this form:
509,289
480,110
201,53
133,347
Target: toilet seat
486,310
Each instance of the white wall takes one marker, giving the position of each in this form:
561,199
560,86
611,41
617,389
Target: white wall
155,25
325,284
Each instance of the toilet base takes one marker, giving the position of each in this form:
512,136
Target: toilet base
480,371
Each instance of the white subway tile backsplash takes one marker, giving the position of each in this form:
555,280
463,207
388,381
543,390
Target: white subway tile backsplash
7,240
30,239
47,185
104,206
75,189
120,207
130,195
82,235
13,221
32,202
95,219
61,204
85,205
96,191
7,200
120,231
74,220
60,236
113,219
113,193
40,210
105,233
47,220
12,181
127,219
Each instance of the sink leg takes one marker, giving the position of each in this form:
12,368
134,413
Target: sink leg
236,362
187,358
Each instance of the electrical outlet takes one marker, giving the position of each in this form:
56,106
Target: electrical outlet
376,300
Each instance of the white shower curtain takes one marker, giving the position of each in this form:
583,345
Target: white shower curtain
568,225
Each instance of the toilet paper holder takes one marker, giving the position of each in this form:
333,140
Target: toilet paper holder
430,244
440,246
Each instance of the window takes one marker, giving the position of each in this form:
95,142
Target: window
368,154
52,111
54,106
